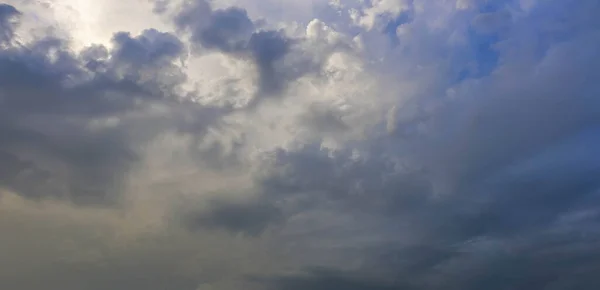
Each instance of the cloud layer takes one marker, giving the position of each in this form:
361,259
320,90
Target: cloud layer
240,144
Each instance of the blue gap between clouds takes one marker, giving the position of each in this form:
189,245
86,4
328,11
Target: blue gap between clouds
481,47
482,52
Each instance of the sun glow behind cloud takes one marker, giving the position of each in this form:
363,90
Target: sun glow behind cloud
95,22
83,19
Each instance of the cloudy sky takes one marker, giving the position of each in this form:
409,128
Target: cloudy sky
293,145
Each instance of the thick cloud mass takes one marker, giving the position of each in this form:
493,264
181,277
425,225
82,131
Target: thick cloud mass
8,14
233,144
232,32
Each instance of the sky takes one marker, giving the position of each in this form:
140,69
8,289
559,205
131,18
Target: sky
288,145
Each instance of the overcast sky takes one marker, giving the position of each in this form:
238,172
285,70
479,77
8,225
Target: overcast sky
296,144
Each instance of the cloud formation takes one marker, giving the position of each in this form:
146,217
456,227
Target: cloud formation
8,15
337,145
232,32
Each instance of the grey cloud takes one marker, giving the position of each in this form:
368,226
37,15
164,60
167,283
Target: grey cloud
35,103
492,21
98,277
330,279
321,117
500,192
231,31
376,184
227,31
150,47
513,165
193,15
99,248
73,127
542,260
267,47
51,96
160,6
24,177
8,16
48,67
517,229
248,217
516,113
149,60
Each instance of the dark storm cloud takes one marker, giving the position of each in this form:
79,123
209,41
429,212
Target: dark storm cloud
500,192
24,177
51,95
148,48
532,224
149,60
228,31
46,77
231,31
505,190
321,279
518,231
33,94
267,47
250,217
96,277
376,184
522,113
8,15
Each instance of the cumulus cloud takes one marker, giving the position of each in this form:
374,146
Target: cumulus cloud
231,31
341,144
